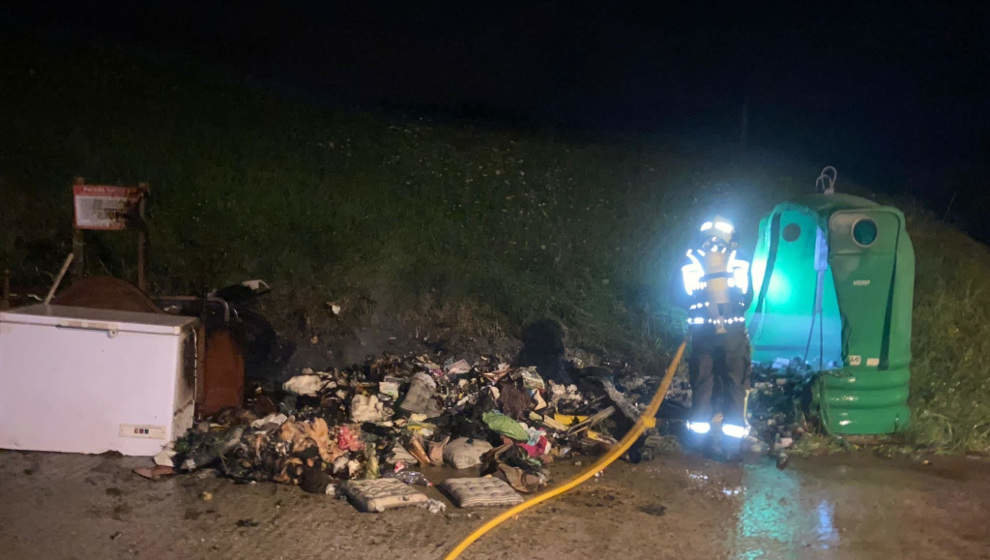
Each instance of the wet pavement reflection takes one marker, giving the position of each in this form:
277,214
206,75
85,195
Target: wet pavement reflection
678,506
775,520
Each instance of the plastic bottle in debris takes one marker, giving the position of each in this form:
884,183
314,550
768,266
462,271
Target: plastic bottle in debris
410,477
371,469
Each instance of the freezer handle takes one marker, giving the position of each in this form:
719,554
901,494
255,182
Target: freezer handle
110,328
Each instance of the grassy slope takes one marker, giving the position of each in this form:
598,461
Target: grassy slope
325,204
950,389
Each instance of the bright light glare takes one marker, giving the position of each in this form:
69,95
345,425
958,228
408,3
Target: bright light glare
724,227
692,274
740,272
706,226
699,427
734,431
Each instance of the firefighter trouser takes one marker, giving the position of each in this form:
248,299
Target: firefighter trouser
719,375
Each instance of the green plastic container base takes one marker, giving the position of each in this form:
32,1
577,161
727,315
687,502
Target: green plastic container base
864,402
877,421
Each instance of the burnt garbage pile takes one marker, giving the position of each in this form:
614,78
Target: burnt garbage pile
394,414
780,403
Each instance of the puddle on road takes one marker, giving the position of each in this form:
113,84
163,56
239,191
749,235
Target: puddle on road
828,536
774,520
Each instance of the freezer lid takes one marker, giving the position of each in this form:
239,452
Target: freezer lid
100,319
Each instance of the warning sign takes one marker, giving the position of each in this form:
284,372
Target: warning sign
105,207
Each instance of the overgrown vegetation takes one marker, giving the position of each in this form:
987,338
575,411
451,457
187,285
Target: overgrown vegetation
326,204
950,384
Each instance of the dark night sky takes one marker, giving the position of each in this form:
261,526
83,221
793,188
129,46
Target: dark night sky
887,90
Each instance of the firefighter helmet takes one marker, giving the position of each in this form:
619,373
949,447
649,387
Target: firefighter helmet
718,227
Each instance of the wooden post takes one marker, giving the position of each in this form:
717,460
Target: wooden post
78,242
142,239
58,279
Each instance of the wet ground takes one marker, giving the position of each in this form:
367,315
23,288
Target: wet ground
848,506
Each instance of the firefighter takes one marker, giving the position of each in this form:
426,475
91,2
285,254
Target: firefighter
717,283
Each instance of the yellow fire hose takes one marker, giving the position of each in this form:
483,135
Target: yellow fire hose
647,420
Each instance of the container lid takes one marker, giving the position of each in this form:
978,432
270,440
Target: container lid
98,319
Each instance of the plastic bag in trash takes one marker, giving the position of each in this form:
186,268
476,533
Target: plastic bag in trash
504,425
530,378
367,408
420,397
459,367
306,385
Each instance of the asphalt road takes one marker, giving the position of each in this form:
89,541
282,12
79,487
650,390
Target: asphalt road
849,506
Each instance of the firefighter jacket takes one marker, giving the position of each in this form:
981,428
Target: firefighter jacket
717,283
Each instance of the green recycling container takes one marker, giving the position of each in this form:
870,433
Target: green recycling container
833,279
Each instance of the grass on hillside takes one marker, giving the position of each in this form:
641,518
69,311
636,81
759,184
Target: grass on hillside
322,203
950,345
246,184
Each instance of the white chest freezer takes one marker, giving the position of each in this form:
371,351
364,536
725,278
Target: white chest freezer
85,380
